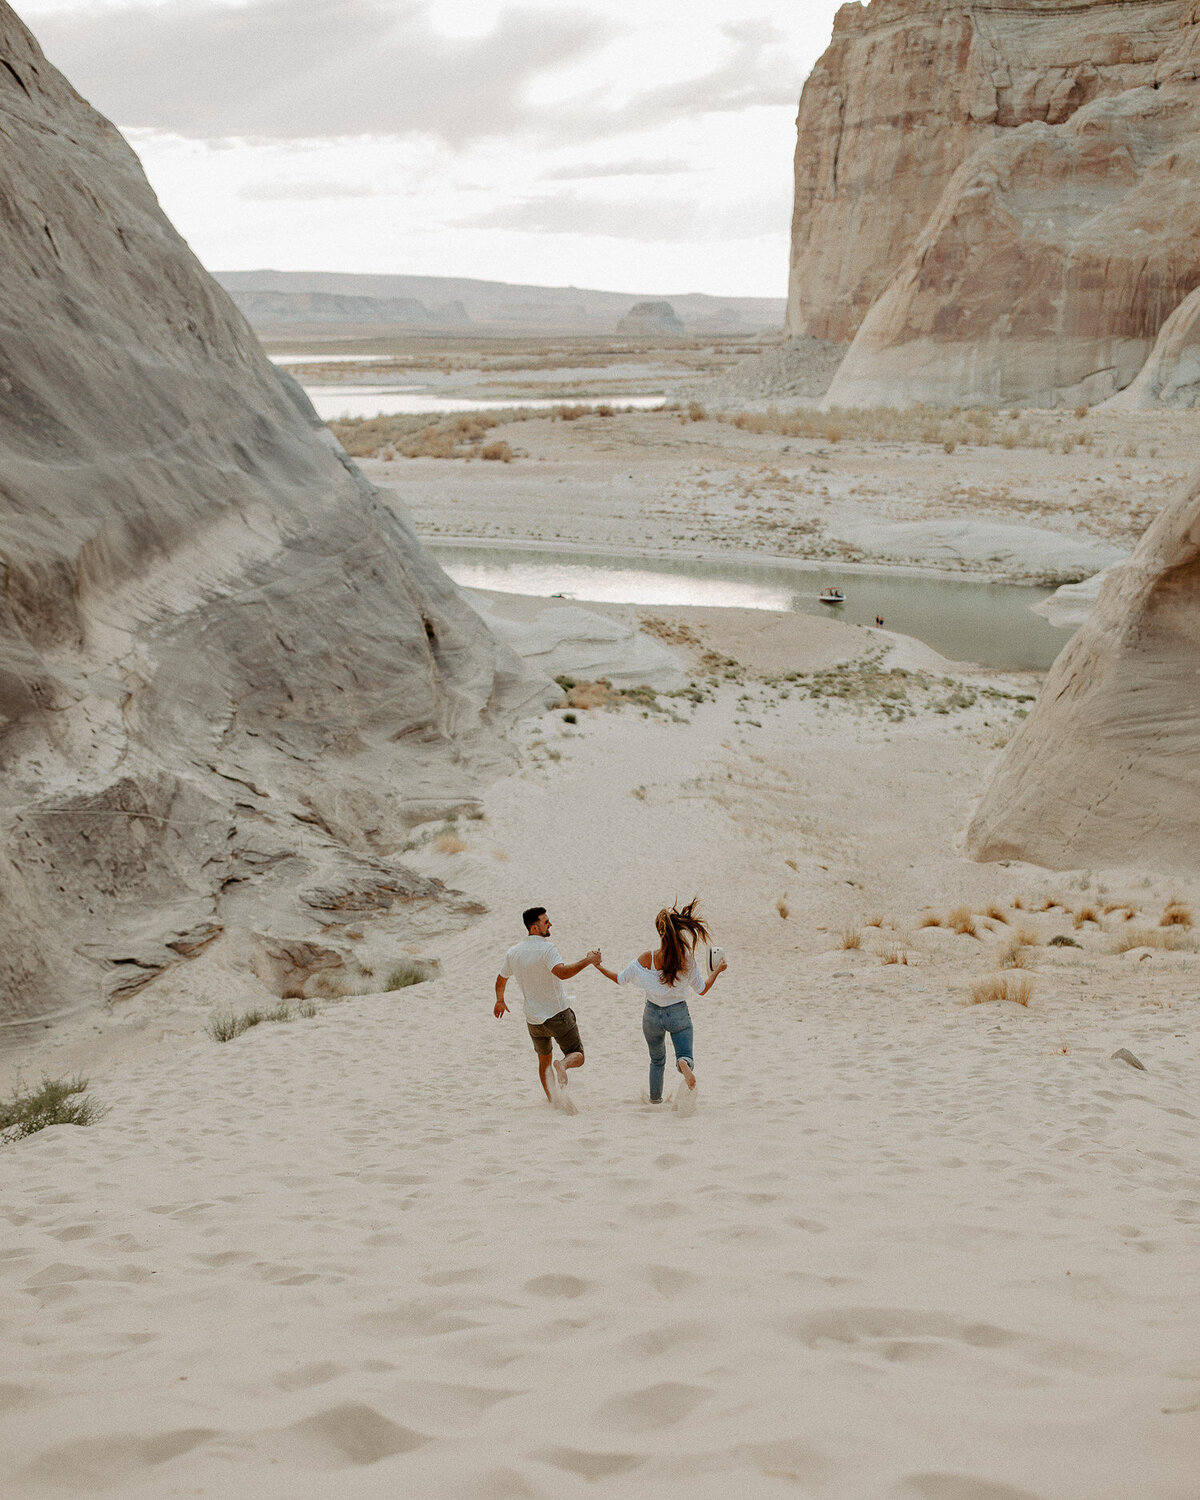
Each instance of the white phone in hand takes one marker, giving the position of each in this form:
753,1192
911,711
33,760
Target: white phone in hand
716,957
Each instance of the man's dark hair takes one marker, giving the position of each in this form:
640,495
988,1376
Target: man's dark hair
530,915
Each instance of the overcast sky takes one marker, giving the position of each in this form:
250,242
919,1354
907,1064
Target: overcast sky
636,145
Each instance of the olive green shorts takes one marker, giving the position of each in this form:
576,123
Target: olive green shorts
562,1028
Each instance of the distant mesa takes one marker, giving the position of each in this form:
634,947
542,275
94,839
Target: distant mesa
652,319
271,299
995,203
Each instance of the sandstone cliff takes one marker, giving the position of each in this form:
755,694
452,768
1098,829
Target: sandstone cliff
229,676
991,198
1106,770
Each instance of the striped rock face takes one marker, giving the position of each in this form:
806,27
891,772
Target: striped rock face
222,656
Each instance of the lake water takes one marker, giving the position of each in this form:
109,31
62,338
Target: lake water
990,623
335,403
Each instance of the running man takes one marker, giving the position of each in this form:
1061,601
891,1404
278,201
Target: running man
538,967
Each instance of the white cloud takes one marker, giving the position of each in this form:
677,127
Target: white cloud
640,166
296,69
280,190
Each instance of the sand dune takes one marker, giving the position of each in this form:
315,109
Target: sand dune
904,1247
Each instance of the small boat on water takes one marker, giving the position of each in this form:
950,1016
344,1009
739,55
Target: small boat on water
832,596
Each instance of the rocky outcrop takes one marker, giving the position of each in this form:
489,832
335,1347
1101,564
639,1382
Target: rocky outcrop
992,199
652,319
228,672
1106,769
1171,376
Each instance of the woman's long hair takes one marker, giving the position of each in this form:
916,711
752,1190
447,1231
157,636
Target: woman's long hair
680,930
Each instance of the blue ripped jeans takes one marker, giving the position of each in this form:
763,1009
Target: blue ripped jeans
657,1021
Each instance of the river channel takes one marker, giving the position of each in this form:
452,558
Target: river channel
963,619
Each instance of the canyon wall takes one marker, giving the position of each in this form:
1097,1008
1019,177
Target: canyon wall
992,199
230,678
1106,769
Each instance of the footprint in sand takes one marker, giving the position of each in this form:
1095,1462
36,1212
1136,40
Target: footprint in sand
959,1487
654,1406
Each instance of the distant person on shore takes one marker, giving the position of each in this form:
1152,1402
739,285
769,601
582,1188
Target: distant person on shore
666,973
538,967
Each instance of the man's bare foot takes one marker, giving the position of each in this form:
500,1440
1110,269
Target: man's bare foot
560,1073
688,1076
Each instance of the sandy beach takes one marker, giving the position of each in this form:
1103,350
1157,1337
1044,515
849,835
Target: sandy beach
906,1246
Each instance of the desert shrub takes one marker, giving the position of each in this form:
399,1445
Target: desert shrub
1061,940
851,938
224,1026
696,413
1086,914
570,718
57,1101
406,973
1015,987
1175,914
962,920
499,451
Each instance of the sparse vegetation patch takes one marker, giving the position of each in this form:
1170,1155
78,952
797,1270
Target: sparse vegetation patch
57,1101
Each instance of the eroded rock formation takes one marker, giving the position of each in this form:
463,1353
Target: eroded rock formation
1171,376
992,198
230,678
1106,769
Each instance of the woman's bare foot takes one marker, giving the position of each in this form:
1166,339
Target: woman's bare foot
688,1076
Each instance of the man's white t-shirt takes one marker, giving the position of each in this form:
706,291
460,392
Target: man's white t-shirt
530,963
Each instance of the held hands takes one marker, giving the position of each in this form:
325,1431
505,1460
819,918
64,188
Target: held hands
593,958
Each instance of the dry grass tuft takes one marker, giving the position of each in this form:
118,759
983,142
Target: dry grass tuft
1087,914
996,912
962,920
1018,904
1175,914
930,919
1027,937
781,907
1170,939
1126,908
1051,902
498,452
449,843
893,951
851,937
874,922
1017,988
1014,955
